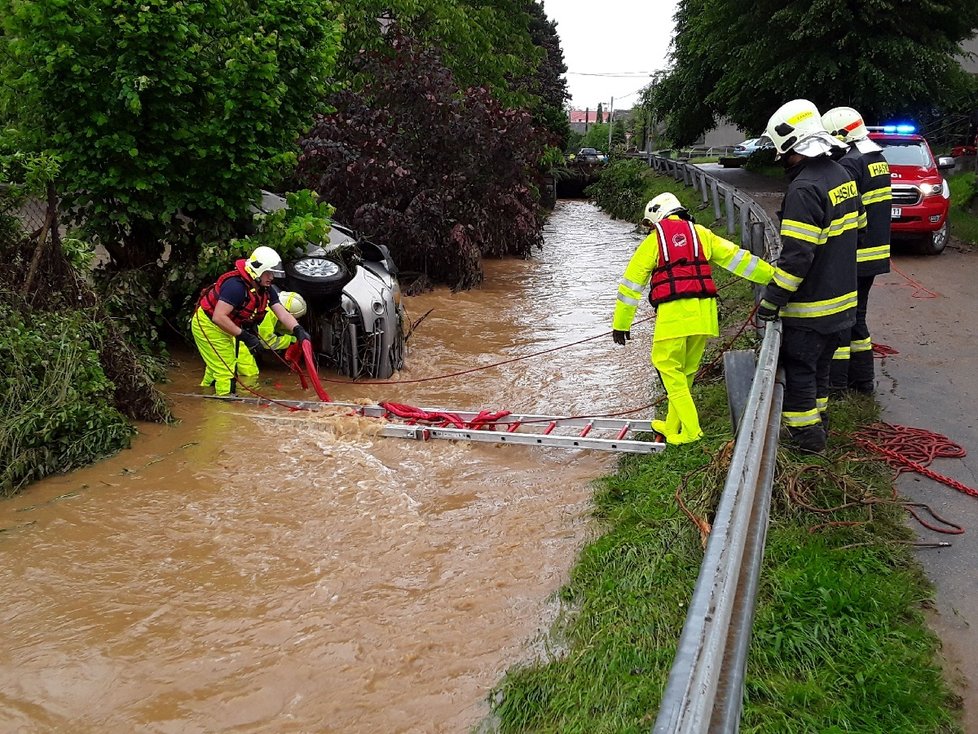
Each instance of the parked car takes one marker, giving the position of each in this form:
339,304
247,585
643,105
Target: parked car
355,316
744,149
591,155
921,196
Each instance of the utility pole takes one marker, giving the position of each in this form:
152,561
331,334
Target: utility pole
611,116
587,116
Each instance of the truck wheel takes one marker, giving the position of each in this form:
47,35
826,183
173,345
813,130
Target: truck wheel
935,242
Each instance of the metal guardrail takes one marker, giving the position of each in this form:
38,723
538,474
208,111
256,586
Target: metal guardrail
705,689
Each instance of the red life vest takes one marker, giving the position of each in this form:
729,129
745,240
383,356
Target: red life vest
252,311
683,270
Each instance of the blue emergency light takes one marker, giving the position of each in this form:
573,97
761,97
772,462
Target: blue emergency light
901,129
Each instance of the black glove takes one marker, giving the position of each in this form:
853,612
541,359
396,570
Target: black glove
250,340
621,337
767,311
300,334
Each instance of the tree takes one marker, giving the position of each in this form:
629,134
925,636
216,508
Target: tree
548,83
599,115
159,109
442,175
482,42
742,61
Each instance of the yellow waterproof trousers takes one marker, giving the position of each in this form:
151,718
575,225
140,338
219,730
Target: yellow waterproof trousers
221,354
677,360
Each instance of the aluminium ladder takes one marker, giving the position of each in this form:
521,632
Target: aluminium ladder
524,429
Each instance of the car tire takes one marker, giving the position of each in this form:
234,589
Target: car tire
316,287
934,242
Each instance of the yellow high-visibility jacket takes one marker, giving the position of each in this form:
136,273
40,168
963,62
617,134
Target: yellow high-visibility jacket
684,316
272,336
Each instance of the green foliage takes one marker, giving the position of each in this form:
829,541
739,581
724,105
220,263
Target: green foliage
622,189
596,137
288,231
55,401
742,61
158,109
964,214
483,42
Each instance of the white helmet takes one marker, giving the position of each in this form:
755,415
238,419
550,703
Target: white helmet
794,122
845,124
662,206
294,302
263,260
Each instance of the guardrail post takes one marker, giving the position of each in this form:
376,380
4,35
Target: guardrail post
745,225
715,188
705,186
728,199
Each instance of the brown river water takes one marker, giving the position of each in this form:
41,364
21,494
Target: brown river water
257,570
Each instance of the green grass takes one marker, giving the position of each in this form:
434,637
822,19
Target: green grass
839,641
964,219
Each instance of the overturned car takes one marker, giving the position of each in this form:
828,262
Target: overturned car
355,315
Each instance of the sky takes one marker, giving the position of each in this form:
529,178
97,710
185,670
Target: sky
611,47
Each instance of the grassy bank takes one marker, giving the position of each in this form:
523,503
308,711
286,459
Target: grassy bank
964,215
839,642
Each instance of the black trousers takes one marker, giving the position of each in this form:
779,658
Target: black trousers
858,371
806,358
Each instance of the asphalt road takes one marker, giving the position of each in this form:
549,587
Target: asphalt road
925,308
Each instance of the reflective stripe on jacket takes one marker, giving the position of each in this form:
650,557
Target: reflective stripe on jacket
814,282
682,270
252,311
871,173
683,316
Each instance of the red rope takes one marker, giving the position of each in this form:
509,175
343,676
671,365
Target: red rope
882,350
913,449
919,290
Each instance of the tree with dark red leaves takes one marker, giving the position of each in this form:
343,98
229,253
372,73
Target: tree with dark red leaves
444,176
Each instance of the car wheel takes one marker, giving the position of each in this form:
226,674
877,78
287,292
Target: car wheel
935,242
317,277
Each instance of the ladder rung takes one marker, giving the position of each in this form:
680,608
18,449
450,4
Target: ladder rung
587,429
550,428
623,432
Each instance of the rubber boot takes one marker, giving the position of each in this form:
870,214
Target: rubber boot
689,419
810,439
670,426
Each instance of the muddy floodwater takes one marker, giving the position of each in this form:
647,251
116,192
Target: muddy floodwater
258,570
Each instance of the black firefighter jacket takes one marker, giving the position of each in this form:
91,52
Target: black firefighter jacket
814,282
871,173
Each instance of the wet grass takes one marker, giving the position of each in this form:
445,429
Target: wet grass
839,640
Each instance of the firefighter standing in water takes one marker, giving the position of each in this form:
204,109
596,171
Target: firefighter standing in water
676,256
814,284
228,314
852,363
272,334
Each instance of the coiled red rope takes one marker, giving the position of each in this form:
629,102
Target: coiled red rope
913,449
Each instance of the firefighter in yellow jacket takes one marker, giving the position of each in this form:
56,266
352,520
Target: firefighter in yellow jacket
676,257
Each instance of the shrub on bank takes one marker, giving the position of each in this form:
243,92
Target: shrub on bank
964,214
56,411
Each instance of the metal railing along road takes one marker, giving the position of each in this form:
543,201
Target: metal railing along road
705,689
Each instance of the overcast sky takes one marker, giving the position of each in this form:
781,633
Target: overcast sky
623,41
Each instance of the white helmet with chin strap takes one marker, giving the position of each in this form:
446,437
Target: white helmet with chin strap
662,206
263,260
293,302
845,124
794,122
